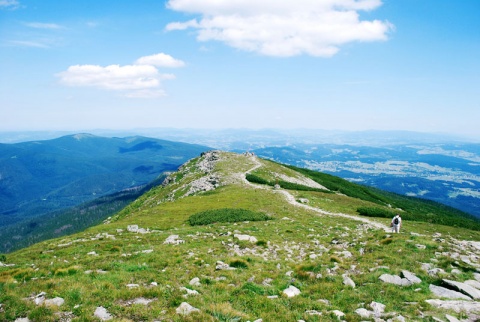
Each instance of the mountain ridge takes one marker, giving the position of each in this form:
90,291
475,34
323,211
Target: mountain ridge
38,177
307,262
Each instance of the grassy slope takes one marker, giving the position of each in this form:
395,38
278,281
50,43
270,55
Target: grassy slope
226,295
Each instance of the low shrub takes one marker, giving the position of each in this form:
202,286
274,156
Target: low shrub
375,212
239,263
226,215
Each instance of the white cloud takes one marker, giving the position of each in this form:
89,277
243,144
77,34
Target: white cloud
42,25
137,80
9,4
282,27
160,60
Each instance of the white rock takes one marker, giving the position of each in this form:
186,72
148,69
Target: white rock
394,279
364,313
58,301
173,240
133,285
22,320
39,298
464,288
291,291
476,276
378,308
411,277
446,293
457,306
245,237
102,314
338,314
451,318
313,312
195,281
473,283
132,228
92,253
223,266
186,309
348,281
189,291
141,301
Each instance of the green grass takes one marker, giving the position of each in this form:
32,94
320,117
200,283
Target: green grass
281,257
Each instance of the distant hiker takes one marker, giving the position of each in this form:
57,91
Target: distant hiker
396,223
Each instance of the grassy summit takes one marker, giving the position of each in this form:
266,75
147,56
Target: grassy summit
148,259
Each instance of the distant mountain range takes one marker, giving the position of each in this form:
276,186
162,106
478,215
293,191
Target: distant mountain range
39,177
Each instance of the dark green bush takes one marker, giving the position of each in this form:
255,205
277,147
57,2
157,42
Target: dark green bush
238,263
256,179
375,212
226,215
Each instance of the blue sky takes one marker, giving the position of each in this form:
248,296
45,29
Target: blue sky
325,64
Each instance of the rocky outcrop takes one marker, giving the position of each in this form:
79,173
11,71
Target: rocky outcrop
407,280
447,293
457,306
464,288
291,291
186,309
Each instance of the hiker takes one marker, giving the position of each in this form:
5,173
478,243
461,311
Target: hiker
396,223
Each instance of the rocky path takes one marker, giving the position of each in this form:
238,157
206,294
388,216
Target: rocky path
291,199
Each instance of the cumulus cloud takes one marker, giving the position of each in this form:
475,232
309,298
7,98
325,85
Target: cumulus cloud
160,60
282,27
141,79
9,4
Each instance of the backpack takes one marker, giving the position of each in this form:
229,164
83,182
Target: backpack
395,220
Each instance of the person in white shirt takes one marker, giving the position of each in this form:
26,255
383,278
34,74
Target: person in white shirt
396,223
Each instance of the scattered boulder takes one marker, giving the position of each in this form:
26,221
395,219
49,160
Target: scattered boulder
457,306
378,308
189,292
407,280
223,266
364,313
22,320
173,240
473,283
411,277
195,281
451,318
58,301
132,228
291,291
186,309
446,293
245,237
102,314
339,314
464,288
39,299
133,286
348,281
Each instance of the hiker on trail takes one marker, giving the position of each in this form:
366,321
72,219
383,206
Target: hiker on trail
396,223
